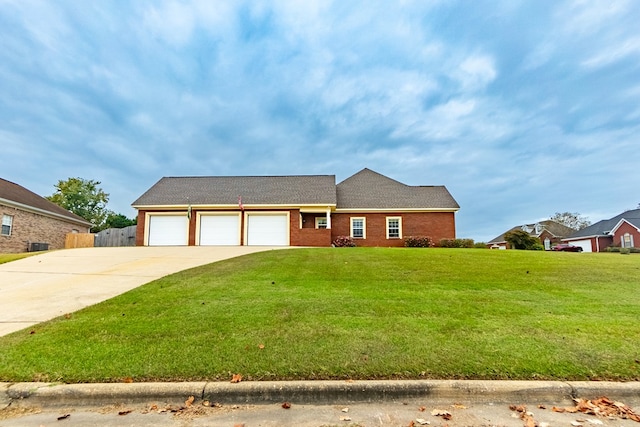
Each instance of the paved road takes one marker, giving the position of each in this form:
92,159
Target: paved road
54,283
413,412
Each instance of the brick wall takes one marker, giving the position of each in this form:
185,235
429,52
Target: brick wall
622,230
29,227
436,225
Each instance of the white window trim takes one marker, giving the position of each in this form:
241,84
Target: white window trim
399,219
7,221
364,227
623,242
326,222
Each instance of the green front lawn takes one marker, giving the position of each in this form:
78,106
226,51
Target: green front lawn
354,313
12,257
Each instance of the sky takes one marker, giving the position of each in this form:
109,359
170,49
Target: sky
520,108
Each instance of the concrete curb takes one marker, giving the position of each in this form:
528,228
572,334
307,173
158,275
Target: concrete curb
312,392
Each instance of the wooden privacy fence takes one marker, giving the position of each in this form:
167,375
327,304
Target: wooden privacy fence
116,237
79,240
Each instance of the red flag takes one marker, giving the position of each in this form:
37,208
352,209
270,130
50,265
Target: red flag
240,203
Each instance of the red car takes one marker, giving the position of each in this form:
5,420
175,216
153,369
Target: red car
565,247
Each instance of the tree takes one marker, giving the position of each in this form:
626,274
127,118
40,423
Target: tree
84,198
520,239
571,220
115,220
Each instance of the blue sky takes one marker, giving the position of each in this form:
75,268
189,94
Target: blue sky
521,108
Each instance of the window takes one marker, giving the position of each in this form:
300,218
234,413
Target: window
394,227
627,240
7,222
358,228
321,222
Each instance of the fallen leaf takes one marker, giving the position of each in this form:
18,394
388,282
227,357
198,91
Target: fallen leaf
189,401
345,410
441,413
261,346
458,406
576,423
238,425
128,411
422,421
345,418
206,403
67,316
595,422
422,409
528,420
153,407
63,417
286,405
127,380
542,407
236,378
412,424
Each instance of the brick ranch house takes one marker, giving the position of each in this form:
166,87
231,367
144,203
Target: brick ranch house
550,233
31,222
304,210
622,230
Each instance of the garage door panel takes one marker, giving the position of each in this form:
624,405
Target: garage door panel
268,230
168,230
584,244
219,230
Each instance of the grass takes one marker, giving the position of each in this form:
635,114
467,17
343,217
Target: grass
13,257
356,313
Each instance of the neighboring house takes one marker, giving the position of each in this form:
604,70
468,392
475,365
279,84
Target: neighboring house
31,222
549,232
305,210
622,230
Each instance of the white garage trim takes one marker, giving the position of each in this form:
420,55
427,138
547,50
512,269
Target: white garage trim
218,229
266,228
166,229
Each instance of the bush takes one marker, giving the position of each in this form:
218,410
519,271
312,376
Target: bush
480,245
625,251
418,242
519,239
456,243
344,242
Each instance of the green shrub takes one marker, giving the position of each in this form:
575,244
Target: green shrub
418,242
480,245
456,243
344,242
625,251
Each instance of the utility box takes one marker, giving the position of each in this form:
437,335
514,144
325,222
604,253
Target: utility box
37,247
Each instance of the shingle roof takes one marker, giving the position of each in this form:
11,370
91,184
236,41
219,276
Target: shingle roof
555,228
254,190
602,228
370,190
13,192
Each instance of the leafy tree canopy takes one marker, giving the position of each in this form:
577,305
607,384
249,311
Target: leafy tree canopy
117,220
520,239
84,198
571,220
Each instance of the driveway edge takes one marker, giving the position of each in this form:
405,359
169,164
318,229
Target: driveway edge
311,392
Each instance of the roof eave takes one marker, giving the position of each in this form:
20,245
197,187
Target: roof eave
44,212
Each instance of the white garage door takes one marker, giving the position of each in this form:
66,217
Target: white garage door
267,230
168,230
219,230
584,244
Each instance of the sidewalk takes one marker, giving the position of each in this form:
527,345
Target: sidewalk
312,403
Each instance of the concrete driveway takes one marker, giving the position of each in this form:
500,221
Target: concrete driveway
45,286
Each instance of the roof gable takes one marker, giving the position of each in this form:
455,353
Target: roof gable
254,190
370,190
17,194
606,226
536,229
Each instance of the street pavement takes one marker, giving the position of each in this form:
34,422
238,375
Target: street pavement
54,283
